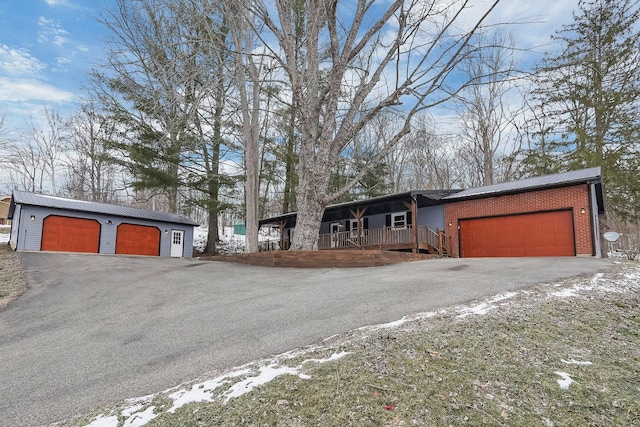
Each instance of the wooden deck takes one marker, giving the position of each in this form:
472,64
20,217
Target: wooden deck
345,258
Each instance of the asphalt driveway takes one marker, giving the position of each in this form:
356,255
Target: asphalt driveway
93,329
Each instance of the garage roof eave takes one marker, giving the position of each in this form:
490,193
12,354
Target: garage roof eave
583,176
34,199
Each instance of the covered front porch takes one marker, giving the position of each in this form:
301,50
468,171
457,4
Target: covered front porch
411,222
405,238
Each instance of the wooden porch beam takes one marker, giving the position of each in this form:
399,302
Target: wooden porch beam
413,208
358,214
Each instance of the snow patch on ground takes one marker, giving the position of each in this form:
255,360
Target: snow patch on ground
486,306
4,233
597,284
576,362
565,381
202,392
400,322
232,242
103,421
264,376
139,412
138,419
394,324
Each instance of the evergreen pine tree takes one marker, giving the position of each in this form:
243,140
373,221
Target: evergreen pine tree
588,112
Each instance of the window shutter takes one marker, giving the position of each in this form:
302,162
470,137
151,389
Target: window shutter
387,220
409,218
347,226
365,223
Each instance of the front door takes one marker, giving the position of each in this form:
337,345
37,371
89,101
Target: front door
335,234
177,243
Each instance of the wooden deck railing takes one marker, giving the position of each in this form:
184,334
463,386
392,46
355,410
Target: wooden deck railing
437,239
385,237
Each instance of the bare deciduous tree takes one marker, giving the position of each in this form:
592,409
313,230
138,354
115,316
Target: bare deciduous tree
26,168
4,133
361,61
248,71
37,156
91,172
489,111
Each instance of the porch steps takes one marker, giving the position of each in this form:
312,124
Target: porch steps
323,259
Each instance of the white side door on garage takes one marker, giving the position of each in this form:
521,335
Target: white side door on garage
177,243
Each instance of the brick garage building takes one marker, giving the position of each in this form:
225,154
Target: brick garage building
553,215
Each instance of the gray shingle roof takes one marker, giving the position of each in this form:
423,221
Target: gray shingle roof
540,182
26,198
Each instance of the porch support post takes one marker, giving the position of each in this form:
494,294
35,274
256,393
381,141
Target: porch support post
281,226
413,207
358,214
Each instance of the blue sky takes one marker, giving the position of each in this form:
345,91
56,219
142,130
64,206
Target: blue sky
46,49
48,46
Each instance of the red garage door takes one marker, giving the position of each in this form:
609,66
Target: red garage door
536,234
137,240
60,233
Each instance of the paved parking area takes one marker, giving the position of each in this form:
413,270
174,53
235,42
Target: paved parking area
93,329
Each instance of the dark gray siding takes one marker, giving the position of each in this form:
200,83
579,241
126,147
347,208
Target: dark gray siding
377,221
432,217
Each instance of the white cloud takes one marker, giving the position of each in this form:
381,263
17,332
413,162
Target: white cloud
21,90
61,64
52,31
58,3
18,62
59,40
65,3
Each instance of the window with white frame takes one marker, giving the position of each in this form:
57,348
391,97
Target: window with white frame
399,219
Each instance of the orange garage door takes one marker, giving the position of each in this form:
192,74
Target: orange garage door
536,234
60,233
137,240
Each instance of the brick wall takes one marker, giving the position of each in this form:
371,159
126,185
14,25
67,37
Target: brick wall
576,197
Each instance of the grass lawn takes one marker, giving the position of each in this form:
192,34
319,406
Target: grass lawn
561,354
12,281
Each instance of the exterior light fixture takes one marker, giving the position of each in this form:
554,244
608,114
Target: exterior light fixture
582,211
450,224
109,221
166,231
32,217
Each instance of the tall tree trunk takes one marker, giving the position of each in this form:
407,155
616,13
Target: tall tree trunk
288,198
213,163
312,198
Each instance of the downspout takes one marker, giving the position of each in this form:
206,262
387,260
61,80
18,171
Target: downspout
595,221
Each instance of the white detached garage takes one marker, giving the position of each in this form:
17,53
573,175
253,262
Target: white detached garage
48,223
